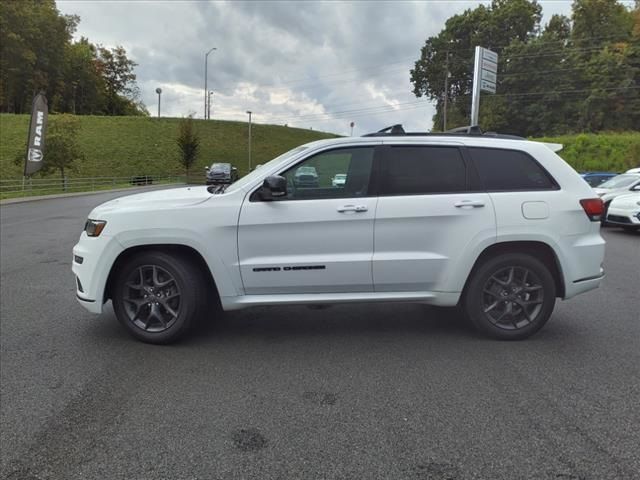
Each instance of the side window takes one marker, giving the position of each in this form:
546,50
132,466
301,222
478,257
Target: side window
421,170
339,173
507,170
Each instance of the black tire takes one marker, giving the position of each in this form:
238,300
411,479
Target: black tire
158,314
524,308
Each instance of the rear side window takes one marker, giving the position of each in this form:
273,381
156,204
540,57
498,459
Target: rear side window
422,170
507,170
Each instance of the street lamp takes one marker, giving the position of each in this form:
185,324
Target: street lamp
159,92
206,58
352,124
209,105
249,112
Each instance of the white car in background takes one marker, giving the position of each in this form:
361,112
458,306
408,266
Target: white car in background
624,211
339,180
618,185
633,170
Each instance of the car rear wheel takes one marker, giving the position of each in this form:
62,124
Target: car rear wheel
156,296
510,297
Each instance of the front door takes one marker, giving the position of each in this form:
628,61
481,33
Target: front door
319,237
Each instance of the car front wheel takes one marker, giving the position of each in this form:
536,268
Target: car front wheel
156,296
510,297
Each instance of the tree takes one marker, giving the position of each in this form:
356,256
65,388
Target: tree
188,143
578,75
117,71
62,148
62,151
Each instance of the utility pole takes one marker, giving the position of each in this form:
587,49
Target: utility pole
209,105
446,93
206,90
249,112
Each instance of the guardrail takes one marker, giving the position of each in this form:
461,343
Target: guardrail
17,187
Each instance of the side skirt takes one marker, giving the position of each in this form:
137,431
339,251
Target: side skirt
443,299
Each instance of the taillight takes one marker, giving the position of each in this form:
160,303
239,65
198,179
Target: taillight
594,208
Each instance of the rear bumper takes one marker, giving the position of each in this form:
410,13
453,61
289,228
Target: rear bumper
584,285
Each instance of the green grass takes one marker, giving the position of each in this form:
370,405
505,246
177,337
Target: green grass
611,152
123,146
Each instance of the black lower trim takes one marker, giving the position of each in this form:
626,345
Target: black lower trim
85,299
589,278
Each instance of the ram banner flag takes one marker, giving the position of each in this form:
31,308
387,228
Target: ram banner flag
37,131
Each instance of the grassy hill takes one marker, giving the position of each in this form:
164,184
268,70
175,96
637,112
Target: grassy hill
610,152
127,146
124,146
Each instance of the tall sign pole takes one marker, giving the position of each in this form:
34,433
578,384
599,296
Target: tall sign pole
37,132
485,70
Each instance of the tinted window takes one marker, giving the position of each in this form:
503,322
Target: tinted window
502,170
313,178
419,170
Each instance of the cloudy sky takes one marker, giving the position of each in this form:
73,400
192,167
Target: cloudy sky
307,64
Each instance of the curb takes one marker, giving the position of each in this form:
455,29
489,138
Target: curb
10,201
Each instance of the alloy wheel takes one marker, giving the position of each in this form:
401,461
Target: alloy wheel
152,298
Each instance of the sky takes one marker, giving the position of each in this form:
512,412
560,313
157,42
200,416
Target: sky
319,65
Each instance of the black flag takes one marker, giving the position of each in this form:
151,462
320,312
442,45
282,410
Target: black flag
35,145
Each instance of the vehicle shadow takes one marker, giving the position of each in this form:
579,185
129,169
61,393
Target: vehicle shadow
286,322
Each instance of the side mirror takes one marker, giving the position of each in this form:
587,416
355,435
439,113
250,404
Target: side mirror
206,169
274,186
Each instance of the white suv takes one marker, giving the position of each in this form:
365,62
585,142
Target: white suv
498,225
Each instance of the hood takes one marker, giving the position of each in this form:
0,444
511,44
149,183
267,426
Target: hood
604,191
631,201
155,200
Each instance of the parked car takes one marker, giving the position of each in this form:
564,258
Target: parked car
618,185
624,211
306,176
339,180
221,173
633,170
411,224
596,178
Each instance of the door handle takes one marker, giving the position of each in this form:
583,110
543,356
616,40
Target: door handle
469,203
352,208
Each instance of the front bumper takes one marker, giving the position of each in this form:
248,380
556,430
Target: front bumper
624,218
92,261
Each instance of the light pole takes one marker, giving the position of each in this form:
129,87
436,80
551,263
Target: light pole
206,58
249,112
209,105
352,124
159,92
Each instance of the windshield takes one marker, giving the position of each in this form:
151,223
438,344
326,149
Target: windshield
220,167
259,172
620,181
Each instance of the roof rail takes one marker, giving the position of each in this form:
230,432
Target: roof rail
391,130
472,130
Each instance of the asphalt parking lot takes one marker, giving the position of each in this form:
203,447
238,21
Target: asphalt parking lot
349,392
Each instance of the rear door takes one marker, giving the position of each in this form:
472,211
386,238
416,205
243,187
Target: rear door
430,210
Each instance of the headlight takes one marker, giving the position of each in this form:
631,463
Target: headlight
94,228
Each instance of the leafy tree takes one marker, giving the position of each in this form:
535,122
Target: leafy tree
572,75
62,151
117,71
188,143
62,148
37,53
